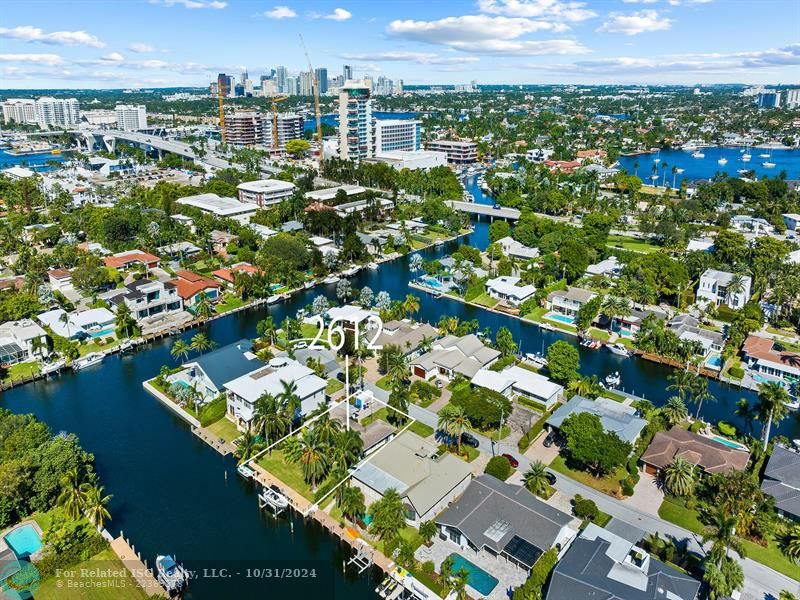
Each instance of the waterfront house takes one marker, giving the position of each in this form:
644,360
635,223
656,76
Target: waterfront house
518,382
95,322
208,373
568,302
615,417
426,479
500,521
406,335
130,259
713,289
192,286
630,324
17,341
514,249
600,564
227,275
769,363
687,328
710,455
244,391
452,355
146,298
453,273
507,289
782,481
610,267
60,279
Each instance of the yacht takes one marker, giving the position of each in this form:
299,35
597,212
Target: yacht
767,164
372,266
309,284
613,380
245,471
698,154
54,367
126,345
274,298
746,157
537,359
722,161
438,243
351,271
331,279
171,575
619,349
764,155
93,358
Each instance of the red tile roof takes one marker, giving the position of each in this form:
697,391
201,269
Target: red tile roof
123,259
189,284
226,274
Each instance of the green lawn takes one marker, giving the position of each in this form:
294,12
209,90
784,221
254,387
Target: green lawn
381,413
421,429
334,385
224,429
470,452
560,325
613,396
492,433
229,302
103,584
288,473
21,370
599,334
608,484
384,383
673,510
536,315
631,244
93,346
486,300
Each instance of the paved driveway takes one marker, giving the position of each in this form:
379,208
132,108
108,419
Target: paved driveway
647,495
537,451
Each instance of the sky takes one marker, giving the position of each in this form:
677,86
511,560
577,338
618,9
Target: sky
168,43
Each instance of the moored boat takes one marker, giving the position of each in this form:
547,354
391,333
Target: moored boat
93,358
245,471
613,380
619,349
171,575
372,266
54,367
331,279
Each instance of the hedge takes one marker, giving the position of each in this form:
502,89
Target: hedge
540,573
213,411
736,372
726,429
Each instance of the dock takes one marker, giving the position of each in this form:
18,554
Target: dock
218,444
137,567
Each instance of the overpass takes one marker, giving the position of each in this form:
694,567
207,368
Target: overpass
484,210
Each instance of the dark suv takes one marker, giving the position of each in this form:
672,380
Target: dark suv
469,440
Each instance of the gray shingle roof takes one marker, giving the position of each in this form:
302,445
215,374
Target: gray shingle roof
227,363
615,417
782,480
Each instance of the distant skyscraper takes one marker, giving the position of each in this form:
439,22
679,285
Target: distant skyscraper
244,77
322,79
768,99
398,87
131,118
226,84
291,86
305,84
281,76
792,98
347,73
61,111
356,126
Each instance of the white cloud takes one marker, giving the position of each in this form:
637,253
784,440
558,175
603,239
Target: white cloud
141,48
27,33
338,14
546,9
113,57
640,1
42,59
192,4
421,58
635,23
280,12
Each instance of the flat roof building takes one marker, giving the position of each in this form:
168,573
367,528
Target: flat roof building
458,152
264,192
220,207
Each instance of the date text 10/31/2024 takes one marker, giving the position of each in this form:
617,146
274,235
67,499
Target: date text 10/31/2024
338,329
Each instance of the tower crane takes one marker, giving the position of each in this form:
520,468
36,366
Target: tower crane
275,100
221,90
316,104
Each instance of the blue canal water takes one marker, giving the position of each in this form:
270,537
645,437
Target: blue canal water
36,162
174,494
706,168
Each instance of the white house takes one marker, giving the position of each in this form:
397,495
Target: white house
610,267
516,381
792,221
507,289
95,322
514,249
244,391
60,279
17,341
713,288
748,224
147,298
265,192
221,207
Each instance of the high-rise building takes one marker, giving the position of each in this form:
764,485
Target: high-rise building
268,87
305,83
291,86
383,86
356,127
226,84
458,152
290,127
369,83
131,118
792,98
281,76
398,87
19,110
347,73
321,75
397,134
768,99
245,128
57,111
244,77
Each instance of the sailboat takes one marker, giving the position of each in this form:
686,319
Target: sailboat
746,156
698,154
722,161
768,164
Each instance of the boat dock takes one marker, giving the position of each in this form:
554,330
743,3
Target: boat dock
218,444
137,567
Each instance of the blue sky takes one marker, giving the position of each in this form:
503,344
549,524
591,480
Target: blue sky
161,43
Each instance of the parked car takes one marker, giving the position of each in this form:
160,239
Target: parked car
341,376
439,383
469,440
551,479
511,460
550,439
497,206
300,345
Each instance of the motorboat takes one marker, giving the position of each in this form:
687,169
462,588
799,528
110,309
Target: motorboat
372,266
546,327
764,155
722,161
698,154
331,279
438,243
91,359
588,342
768,164
125,345
274,298
273,497
171,575
245,471
309,284
351,271
619,349
536,358
746,157
613,380
54,367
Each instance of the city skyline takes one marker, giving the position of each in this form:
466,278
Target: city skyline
175,43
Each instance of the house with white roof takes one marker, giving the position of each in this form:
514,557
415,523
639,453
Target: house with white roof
95,322
265,192
748,224
615,417
514,249
453,355
507,289
714,289
244,391
792,221
17,341
610,267
516,381
700,245
220,207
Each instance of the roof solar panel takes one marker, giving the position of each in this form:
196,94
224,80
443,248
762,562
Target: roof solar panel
523,551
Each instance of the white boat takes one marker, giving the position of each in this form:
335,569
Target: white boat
746,157
272,497
93,358
351,271
619,349
331,279
125,345
537,359
742,171
54,367
171,575
656,160
245,471
698,154
547,327
372,266
613,380
722,161
274,298
764,155
438,243
768,164
309,284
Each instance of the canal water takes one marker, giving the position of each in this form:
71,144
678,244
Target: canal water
174,494
707,167
36,162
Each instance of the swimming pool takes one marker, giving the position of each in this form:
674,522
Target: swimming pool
432,282
24,540
103,333
729,443
479,579
714,361
554,316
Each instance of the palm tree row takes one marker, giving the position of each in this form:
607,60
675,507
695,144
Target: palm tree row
82,498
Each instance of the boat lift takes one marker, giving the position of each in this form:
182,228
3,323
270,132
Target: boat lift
362,560
272,499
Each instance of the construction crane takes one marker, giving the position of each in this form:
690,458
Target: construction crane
275,101
316,104
221,90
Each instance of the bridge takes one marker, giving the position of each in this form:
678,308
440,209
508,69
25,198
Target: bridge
484,210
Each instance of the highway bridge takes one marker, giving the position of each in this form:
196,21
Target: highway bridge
484,210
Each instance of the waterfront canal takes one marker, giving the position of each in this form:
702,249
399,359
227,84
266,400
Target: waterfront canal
170,489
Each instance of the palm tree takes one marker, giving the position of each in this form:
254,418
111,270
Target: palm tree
459,584
95,507
680,477
682,382
388,516
745,411
201,343
701,394
180,349
675,411
289,399
124,320
791,543
348,448
398,401
535,478
734,288
245,447
771,407
266,328
397,369
411,304
269,419
313,458
73,493
202,307
63,318
351,503
721,532
453,422
327,429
